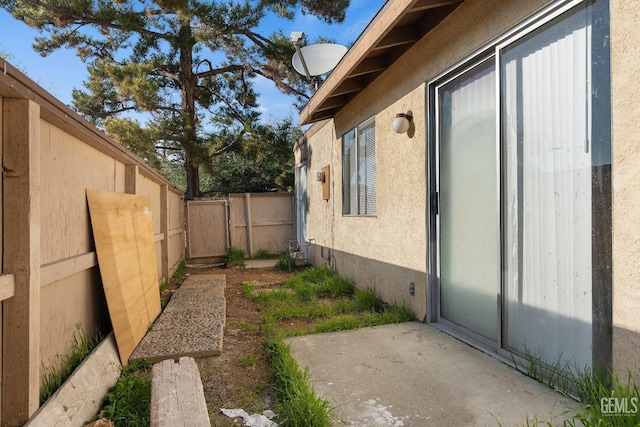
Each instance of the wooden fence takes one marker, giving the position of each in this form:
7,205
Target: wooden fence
247,221
49,280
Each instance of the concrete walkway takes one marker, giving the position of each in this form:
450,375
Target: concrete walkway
412,374
192,324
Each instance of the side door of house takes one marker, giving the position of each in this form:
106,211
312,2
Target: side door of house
301,207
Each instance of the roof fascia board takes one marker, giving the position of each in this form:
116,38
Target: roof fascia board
377,29
382,26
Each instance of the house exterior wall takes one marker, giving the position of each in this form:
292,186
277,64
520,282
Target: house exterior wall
391,249
625,92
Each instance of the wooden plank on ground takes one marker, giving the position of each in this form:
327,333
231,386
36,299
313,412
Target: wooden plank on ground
81,395
123,233
177,396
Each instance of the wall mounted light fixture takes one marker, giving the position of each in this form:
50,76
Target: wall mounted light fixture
402,122
320,177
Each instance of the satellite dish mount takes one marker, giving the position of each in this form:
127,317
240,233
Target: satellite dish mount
315,59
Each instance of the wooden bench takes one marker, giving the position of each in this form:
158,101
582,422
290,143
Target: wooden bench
177,396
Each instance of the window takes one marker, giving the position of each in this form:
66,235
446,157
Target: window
359,170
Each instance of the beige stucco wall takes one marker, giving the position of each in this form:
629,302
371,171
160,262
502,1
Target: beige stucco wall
397,235
392,245
324,150
625,92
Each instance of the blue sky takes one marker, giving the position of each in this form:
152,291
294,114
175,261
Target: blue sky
62,71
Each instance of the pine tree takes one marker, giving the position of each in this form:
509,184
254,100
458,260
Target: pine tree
187,65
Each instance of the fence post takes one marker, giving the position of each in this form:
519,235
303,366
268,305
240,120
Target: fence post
247,207
21,257
164,229
131,179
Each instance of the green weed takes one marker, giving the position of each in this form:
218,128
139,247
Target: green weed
247,361
247,289
366,300
176,280
300,311
264,254
340,323
236,257
316,293
81,346
128,403
181,272
604,399
245,326
286,263
297,404
388,315
606,402
319,282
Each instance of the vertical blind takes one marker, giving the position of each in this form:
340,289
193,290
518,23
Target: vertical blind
367,170
359,171
546,118
469,232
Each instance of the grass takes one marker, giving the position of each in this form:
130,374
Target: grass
297,405
81,347
286,263
320,294
265,254
128,403
247,361
322,301
245,326
176,279
605,400
317,295
236,257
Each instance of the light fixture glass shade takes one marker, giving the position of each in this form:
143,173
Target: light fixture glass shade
401,123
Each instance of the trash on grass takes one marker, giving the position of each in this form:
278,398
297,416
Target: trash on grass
255,420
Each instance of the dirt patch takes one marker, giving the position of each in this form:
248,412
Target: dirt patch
239,378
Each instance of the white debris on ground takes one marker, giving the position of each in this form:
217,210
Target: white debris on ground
375,414
255,420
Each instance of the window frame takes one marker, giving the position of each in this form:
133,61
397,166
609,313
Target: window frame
348,176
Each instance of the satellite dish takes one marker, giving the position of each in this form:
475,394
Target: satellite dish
318,58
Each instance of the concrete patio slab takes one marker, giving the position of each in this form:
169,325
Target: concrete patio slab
412,374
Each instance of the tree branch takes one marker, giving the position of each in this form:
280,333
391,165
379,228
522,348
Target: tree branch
229,145
216,71
70,16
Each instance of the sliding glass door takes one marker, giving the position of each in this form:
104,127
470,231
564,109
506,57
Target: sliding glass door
468,225
546,100
520,178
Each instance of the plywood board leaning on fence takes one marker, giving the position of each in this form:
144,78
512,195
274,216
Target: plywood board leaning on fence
123,234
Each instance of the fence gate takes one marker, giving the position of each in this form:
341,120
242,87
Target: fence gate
247,221
207,228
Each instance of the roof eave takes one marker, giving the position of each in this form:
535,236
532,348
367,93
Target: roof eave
384,40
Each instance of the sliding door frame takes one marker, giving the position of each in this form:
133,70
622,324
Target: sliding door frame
601,180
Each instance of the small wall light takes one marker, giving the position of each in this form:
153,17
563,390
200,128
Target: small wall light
320,177
402,122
